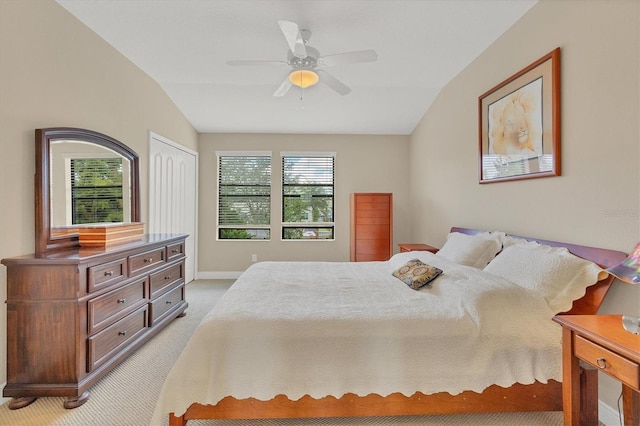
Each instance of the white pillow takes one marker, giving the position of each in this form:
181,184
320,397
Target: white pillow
553,272
472,250
509,240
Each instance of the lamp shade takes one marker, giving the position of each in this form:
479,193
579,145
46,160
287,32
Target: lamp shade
629,269
303,78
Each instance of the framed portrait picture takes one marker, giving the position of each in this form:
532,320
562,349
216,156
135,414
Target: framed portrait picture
519,124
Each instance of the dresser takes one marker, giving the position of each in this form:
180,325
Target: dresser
407,247
75,314
371,226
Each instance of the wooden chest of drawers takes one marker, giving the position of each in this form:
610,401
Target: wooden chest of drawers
371,226
73,315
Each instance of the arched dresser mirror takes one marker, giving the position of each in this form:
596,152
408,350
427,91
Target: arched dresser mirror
82,177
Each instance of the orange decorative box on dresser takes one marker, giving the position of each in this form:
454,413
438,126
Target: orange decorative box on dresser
108,234
371,226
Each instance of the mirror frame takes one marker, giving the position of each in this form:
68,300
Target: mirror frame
44,242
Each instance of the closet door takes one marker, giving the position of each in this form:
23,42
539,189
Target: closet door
371,226
173,188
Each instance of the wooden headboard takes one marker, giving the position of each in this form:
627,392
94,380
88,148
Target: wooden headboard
605,258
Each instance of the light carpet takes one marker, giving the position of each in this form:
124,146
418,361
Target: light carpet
127,395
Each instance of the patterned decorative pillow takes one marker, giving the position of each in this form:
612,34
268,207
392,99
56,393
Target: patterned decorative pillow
416,273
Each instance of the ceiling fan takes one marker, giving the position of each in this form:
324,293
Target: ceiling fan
307,66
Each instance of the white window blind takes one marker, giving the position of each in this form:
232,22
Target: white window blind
96,190
244,196
308,196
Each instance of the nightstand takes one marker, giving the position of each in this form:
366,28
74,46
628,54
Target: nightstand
592,343
405,247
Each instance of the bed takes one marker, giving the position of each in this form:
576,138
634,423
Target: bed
318,339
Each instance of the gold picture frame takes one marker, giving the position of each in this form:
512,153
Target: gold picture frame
519,124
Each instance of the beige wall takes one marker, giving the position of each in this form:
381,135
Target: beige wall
363,164
56,72
596,201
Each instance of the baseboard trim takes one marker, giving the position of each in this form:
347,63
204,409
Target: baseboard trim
214,275
608,415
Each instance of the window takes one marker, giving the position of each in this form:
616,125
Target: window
96,190
307,196
244,196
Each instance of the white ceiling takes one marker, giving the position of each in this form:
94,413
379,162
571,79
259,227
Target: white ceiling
184,46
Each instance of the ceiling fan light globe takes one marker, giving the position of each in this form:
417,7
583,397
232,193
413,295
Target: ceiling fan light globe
303,78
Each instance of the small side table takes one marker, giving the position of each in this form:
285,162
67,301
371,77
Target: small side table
592,343
405,247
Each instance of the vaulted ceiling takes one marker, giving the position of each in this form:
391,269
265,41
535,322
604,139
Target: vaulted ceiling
184,45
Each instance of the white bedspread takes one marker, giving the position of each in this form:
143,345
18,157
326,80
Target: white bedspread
321,329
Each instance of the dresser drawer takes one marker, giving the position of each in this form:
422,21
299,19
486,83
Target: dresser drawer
368,200
113,339
161,280
175,251
102,275
166,303
143,262
107,308
372,232
611,363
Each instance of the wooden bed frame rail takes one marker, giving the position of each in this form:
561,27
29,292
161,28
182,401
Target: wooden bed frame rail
495,399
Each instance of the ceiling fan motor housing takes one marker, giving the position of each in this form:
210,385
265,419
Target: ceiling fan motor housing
307,63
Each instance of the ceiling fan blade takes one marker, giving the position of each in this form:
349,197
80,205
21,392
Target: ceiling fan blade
242,63
333,82
294,38
284,87
349,58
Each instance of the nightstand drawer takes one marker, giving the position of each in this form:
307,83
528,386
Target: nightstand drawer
611,363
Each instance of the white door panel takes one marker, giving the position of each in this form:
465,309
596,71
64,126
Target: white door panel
173,194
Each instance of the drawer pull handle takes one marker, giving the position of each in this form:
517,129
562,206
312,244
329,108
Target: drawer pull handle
149,260
168,277
175,251
601,363
122,300
168,302
108,273
122,333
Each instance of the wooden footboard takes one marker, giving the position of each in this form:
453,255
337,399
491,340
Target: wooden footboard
495,399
